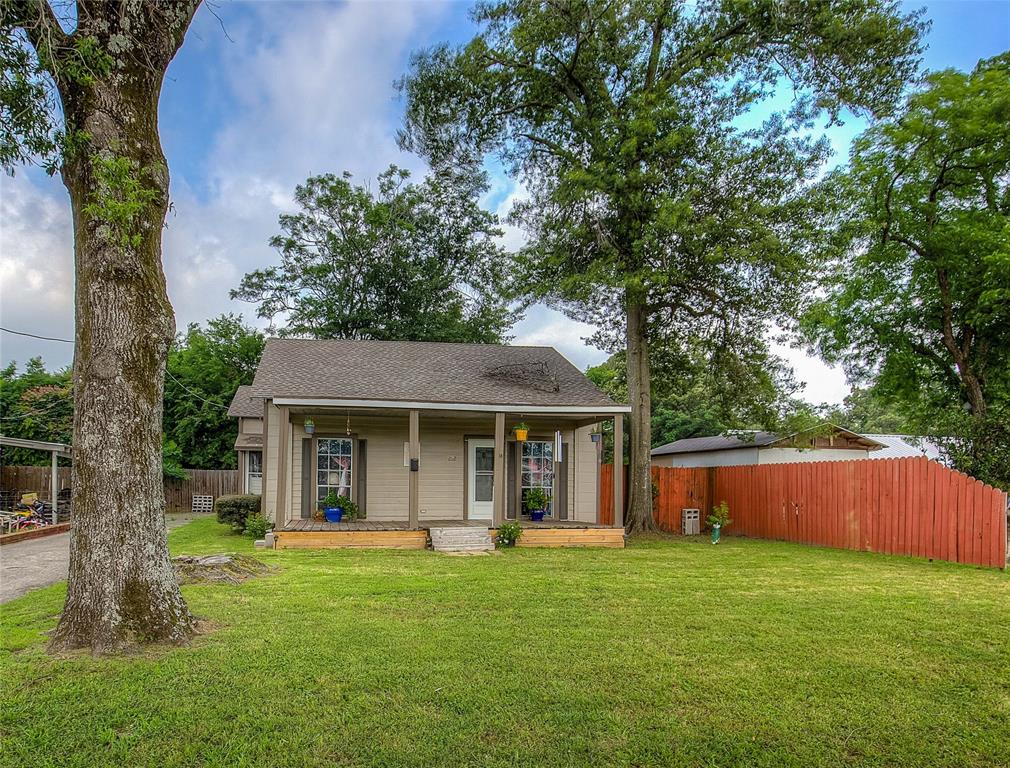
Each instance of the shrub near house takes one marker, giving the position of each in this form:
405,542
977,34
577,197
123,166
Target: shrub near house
235,509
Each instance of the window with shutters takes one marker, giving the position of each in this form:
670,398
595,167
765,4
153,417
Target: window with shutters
537,470
334,466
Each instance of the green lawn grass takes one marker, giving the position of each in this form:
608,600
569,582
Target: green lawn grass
670,652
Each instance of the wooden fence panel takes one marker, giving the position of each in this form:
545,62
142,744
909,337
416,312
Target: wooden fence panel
201,482
178,493
33,480
606,495
909,506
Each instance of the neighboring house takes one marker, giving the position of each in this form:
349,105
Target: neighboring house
416,432
249,443
904,446
826,442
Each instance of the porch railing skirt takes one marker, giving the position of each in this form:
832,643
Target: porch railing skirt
363,534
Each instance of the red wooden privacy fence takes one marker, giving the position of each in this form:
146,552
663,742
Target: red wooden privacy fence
899,506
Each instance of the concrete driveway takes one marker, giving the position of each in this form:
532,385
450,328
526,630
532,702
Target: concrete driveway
36,563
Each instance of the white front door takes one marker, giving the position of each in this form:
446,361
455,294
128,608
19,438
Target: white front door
480,483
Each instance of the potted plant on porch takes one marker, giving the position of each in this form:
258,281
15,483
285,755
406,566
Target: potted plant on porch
349,508
336,508
537,501
332,510
522,431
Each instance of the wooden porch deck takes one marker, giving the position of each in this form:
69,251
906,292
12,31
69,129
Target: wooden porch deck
424,525
369,534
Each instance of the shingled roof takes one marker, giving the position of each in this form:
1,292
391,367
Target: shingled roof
747,439
430,372
244,404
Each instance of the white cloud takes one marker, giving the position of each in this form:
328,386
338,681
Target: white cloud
544,326
513,237
36,269
313,88
822,383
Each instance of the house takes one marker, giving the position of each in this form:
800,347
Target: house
420,434
826,442
249,443
904,447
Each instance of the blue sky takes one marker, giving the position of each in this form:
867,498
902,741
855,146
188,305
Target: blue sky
287,90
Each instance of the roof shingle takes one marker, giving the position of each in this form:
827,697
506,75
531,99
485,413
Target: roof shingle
435,372
245,404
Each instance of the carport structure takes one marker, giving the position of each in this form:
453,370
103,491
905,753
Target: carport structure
56,451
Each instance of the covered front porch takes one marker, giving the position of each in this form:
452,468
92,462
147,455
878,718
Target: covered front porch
409,468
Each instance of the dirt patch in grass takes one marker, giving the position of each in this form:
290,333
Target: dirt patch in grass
222,568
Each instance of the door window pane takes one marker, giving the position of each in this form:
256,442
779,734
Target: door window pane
483,488
484,459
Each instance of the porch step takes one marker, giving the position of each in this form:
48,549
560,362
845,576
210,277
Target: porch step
461,539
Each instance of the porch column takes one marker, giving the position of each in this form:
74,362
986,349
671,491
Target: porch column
618,470
413,487
55,483
283,465
498,511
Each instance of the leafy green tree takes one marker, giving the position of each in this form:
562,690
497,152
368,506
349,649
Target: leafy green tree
918,295
35,405
205,368
977,447
79,95
412,262
710,391
651,212
867,410
39,405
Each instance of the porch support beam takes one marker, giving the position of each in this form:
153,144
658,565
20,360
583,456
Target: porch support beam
55,484
618,471
283,465
414,473
498,513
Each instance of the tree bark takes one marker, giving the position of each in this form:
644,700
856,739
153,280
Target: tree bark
121,586
639,517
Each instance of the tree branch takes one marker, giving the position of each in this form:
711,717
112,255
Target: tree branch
38,20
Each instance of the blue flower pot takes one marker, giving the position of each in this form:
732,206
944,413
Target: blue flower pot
537,515
334,514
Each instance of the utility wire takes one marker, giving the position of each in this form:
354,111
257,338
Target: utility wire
35,335
194,394
69,341
29,414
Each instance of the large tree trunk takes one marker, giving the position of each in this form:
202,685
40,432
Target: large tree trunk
122,586
639,516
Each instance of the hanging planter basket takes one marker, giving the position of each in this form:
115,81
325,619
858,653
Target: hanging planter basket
522,431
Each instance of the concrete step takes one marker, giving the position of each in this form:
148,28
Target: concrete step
461,539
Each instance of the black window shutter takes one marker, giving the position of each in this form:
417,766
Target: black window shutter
308,465
561,484
362,482
511,451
